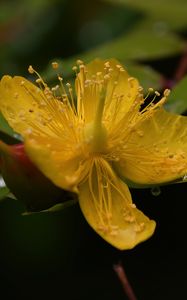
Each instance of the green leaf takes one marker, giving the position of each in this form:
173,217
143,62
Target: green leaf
5,129
177,101
146,76
56,208
141,44
167,13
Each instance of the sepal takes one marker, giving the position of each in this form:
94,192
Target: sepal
26,182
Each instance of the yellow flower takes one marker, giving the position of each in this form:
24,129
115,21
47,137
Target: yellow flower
98,142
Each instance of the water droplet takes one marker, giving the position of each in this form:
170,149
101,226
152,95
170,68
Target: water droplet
18,136
155,191
2,183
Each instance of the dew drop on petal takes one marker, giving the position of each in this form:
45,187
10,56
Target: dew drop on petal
155,191
2,183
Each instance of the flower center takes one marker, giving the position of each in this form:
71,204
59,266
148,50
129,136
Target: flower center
96,137
95,132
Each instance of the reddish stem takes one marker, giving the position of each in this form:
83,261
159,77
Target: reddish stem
182,67
118,268
179,73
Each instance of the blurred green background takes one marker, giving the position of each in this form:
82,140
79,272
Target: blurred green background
58,255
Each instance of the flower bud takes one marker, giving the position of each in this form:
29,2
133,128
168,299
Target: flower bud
26,182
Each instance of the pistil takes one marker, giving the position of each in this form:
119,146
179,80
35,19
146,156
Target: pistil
99,131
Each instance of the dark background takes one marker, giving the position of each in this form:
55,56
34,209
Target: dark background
60,256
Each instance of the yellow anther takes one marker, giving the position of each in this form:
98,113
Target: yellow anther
82,67
157,93
166,92
107,64
131,81
55,65
30,69
79,62
133,205
38,80
74,68
118,66
55,88
140,88
60,78
150,90
87,81
138,228
107,77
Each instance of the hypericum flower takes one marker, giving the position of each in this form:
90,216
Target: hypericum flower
94,143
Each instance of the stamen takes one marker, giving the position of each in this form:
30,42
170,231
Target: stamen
106,77
150,90
157,93
55,65
63,91
54,89
107,64
166,92
38,80
79,62
118,66
74,68
131,81
22,83
99,74
71,96
33,71
140,89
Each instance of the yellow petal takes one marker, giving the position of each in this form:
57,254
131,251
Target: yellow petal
156,151
121,90
28,109
61,162
107,206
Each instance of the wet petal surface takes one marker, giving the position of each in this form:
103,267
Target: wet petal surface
107,206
